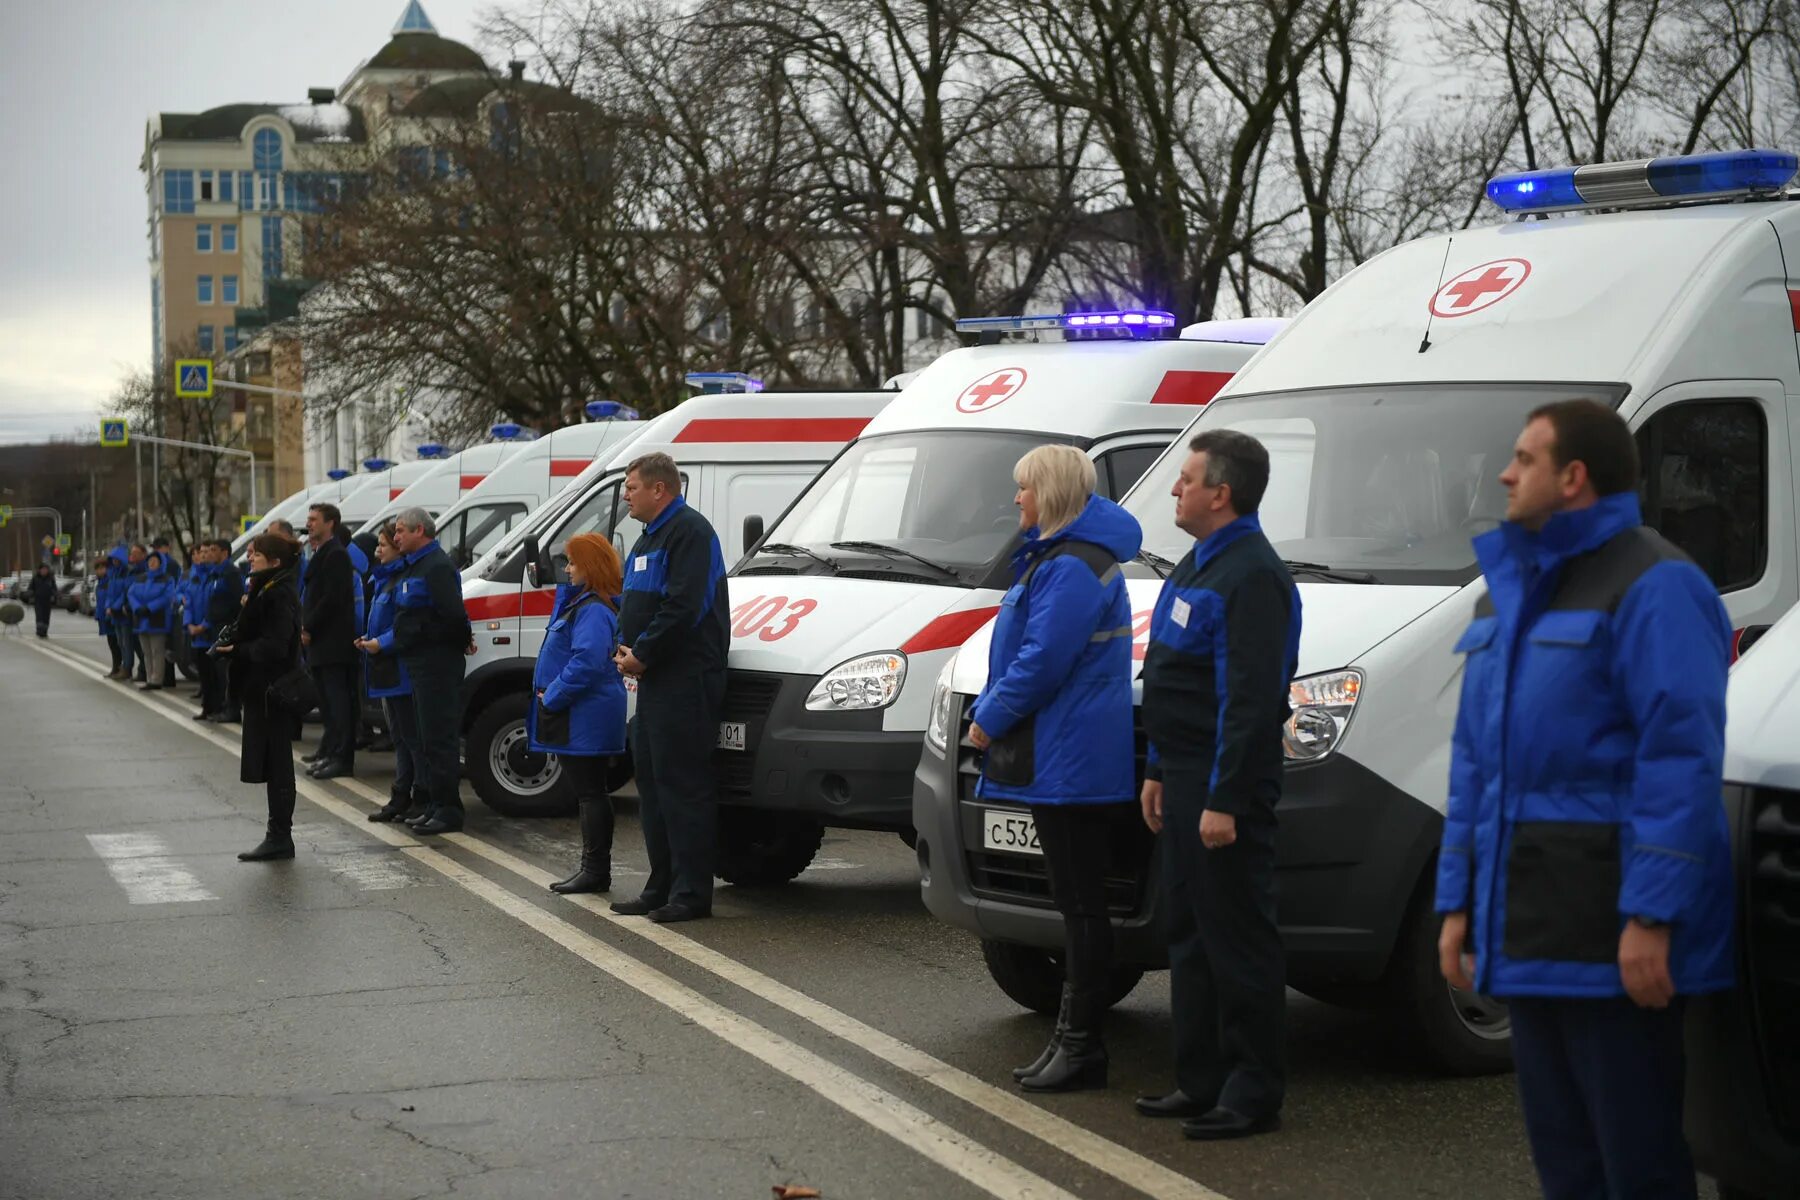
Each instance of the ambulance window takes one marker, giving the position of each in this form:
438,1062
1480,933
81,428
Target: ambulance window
1705,485
487,526
1119,469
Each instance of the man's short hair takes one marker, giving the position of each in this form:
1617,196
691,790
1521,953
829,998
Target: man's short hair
284,527
416,518
1596,436
140,547
1237,460
222,545
328,511
657,467
158,542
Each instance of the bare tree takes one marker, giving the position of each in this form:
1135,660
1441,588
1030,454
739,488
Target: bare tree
189,489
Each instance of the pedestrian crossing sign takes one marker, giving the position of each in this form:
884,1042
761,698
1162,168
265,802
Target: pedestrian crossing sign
193,378
247,521
64,541
5,514
114,431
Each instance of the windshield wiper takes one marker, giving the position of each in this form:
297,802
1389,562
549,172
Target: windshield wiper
883,548
1155,562
1329,574
797,551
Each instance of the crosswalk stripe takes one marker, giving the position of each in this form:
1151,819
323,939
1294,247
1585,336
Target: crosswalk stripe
140,863
367,867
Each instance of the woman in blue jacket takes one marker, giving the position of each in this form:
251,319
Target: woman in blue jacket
579,711
1055,723
152,604
385,679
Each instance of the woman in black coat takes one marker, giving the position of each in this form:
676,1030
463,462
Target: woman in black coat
43,597
264,647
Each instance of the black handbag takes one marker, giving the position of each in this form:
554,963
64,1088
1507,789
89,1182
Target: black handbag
294,693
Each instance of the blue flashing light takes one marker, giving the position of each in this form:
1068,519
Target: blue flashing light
1720,174
337,473
433,450
609,410
507,431
1138,322
715,382
376,464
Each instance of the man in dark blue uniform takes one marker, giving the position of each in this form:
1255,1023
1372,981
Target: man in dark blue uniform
1224,642
672,640
431,634
329,592
221,598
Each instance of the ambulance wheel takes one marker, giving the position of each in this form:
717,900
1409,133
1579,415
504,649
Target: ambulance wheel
510,777
1460,1033
1032,977
762,849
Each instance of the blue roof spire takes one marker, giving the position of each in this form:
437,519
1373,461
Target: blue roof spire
414,20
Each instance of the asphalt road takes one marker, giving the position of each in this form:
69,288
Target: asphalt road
395,1016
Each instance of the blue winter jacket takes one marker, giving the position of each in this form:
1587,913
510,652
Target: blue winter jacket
384,674
112,598
582,710
152,602
1585,773
1058,699
188,592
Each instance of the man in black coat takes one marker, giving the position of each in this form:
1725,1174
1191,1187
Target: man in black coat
328,632
431,634
43,597
223,597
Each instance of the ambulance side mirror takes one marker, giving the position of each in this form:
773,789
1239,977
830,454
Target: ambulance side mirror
537,566
753,531
1751,635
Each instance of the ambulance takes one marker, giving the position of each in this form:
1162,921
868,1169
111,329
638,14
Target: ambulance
1743,1112
381,480
540,469
846,611
1390,407
338,483
452,477
743,459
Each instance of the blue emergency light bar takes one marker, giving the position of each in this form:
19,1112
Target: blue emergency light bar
1137,322
714,382
337,473
506,431
1726,173
376,464
433,450
609,410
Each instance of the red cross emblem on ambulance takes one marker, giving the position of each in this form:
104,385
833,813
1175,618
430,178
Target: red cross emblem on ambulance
990,389
1480,287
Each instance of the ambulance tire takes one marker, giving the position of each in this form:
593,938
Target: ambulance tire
758,848
1458,1033
1032,977
506,774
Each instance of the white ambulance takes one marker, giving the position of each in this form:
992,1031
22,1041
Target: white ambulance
382,480
451,478
1390,407
848,609
338,483
743,458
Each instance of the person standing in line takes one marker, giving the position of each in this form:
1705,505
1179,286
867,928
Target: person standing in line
42,592
191,601
171,567
1224,644
673,634
328,633
431,636
122,615
1585,874
103,570
388,683
152,602
218,603
1054,722
266,647
578,713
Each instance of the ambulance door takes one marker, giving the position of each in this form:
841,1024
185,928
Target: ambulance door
1718,481
741,490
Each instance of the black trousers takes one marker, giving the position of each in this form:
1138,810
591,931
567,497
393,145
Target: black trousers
408,790
1074,839
212,680
1601,1084
43,619
587,778
437,708
1227,969
134,653
339,710
674,735
112,646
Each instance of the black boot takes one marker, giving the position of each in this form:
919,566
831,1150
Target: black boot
595,874
1080,1060
395,808
276,843
1020,1074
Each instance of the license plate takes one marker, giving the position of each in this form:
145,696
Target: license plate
1013,832
732,735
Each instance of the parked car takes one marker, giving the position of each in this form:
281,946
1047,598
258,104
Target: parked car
68,593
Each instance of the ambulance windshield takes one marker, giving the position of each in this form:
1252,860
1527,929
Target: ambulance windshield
1389,482
932,505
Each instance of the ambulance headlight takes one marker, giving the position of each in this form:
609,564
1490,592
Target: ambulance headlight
1321,708
872,681
943,710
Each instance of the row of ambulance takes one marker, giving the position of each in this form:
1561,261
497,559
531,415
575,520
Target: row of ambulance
871,535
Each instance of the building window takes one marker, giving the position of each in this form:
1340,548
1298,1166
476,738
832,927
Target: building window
203,238
228,292
228,238
1705,485
231,338
225,178
206,339
178,191
266,150
268,190
271,247
206,185
246,193
206,293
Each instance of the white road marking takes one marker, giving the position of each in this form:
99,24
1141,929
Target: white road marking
825,862
141,864
353,859
1142,1174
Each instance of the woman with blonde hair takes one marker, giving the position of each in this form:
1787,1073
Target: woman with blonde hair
1055,723
579,709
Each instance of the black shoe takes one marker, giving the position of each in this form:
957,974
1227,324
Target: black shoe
417,819
217,718
637,908
1056,1037
1176,1104
1080,1059
147,687
203,716
437,825
387,812
1221,1124
585,880
669,914
332,770
272,846
314,757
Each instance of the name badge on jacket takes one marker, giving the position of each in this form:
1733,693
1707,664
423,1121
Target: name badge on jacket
1180,611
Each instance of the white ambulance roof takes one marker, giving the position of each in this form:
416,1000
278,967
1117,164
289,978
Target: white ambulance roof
379,487
566,452
1075,389
1640,297
756,427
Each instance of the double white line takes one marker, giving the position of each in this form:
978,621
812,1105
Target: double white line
914,1128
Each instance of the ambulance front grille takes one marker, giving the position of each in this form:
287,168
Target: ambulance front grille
1772,950
749,697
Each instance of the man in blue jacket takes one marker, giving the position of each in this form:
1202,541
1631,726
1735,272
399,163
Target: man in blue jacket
431,636
1224,642
1585,875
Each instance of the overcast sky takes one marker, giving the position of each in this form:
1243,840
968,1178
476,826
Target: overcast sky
81,78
